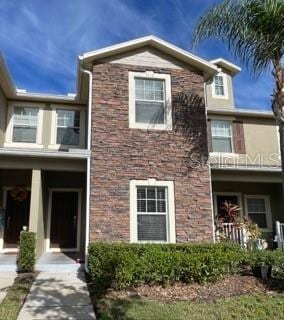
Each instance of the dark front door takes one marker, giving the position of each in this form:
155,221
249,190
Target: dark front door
64,220
16,217
229,198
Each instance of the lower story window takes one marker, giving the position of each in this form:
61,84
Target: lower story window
152,211
258,210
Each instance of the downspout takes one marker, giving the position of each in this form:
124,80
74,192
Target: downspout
88,182
209,167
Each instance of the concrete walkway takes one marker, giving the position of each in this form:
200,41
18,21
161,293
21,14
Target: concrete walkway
6,280
58,296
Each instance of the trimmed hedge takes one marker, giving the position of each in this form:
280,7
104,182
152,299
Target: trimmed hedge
26,258
121,265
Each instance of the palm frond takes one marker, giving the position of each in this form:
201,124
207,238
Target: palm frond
252,29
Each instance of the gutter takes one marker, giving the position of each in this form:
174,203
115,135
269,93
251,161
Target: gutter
241,112
255,169
88,182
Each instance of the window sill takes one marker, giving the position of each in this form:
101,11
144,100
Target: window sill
23,145
64,146
153,127
224,154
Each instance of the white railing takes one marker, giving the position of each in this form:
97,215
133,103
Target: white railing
233,232
280,235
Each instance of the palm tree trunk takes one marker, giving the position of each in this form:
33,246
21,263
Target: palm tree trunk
278,109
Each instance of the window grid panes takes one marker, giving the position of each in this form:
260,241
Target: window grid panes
221,136
257,211
25,124
150,101
68,127
152,213
219,86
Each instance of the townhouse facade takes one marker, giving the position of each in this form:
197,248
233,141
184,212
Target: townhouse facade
147,150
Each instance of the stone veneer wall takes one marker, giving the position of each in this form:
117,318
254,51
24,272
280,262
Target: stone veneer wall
120,154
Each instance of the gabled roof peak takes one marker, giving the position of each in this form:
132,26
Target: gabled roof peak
208,68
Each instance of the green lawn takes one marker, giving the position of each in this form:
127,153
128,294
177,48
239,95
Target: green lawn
253,307
12,303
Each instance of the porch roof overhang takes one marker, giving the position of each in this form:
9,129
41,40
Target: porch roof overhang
72,154
264,174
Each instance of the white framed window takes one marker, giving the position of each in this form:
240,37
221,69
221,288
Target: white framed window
221,132
24,126
150,101
152,211
68,127
220,86
258,210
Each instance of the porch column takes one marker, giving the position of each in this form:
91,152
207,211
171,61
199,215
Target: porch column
36,222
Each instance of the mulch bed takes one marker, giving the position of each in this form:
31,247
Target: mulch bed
227,287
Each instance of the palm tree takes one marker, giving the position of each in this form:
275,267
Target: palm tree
254,33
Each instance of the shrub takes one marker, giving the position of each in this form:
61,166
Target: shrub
26,258
121,265
274,259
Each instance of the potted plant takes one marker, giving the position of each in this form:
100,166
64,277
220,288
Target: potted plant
261,264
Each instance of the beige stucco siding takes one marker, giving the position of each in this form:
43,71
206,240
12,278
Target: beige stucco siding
47,125
220,103
261,139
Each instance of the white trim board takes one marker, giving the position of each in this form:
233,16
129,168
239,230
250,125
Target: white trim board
47,240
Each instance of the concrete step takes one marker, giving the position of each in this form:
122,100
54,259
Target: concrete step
58,262
8,263
59,267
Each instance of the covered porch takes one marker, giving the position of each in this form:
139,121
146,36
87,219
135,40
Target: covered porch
257,194
50,203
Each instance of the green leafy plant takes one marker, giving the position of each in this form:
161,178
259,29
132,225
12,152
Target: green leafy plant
121,265
26,258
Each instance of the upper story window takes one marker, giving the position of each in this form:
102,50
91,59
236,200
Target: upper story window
152,211
258,210
68,127
25,124
150,101
221,131
219,87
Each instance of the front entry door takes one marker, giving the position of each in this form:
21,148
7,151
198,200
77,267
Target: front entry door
16,217
64,220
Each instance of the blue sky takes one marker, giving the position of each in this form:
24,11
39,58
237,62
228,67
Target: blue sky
41,39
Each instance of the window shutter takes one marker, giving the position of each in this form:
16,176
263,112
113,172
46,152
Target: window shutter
239,137
209,135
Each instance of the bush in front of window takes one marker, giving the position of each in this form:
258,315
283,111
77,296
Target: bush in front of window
121,265
26,257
